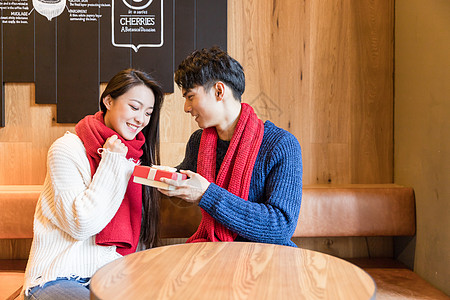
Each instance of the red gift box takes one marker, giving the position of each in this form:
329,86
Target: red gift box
151,176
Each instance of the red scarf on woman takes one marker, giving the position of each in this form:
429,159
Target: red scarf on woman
124,228
235,172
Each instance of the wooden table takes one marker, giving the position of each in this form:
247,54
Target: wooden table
231,271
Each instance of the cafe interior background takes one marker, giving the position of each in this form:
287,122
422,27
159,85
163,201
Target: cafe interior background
363,85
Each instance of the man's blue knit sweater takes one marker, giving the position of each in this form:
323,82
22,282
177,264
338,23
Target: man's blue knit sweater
270,215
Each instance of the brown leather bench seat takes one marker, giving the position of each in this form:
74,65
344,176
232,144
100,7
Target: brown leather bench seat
17,205
395,281
327,211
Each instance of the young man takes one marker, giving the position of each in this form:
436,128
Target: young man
245,175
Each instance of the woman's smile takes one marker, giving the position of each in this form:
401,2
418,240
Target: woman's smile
133,127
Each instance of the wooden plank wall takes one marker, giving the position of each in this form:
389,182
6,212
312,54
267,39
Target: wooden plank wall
320,69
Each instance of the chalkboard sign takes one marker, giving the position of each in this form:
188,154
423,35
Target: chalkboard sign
68,47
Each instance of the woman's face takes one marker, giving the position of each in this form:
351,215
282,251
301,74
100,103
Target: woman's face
129,113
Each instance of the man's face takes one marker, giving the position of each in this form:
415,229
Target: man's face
202,105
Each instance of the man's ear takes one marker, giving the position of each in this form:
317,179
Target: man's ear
107,101
219,90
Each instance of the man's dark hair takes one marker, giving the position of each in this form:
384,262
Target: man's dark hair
207,66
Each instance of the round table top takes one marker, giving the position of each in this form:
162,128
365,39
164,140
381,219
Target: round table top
231,271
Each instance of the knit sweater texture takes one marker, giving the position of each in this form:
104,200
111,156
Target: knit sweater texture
72,209
270,215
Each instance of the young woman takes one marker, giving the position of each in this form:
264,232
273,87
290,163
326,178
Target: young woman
90,212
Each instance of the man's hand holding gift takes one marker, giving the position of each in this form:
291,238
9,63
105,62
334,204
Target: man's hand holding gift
190,190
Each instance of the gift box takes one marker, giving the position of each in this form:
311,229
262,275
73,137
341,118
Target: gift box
151,176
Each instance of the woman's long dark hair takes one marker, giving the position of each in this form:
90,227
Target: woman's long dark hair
117,86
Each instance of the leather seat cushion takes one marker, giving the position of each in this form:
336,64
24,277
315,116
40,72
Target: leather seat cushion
403,284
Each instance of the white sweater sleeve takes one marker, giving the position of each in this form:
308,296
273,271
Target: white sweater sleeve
75,204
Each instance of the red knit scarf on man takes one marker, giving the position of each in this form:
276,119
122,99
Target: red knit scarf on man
124,228
235,172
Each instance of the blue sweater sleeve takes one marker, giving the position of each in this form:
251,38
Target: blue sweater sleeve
270,215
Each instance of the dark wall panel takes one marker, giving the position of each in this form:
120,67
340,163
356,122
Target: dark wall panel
2,93
211,27
45,64
199,24
159,59
112,59
18,48
185,24
77,65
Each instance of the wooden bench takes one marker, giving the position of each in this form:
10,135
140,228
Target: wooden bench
328,211
17,205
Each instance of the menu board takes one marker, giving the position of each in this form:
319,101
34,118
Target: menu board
68,47
15,11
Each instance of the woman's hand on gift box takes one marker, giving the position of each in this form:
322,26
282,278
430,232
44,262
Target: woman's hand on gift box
190,190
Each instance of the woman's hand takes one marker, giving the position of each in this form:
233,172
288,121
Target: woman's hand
190,190
114,144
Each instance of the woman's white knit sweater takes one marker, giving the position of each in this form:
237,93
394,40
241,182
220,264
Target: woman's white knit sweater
72,209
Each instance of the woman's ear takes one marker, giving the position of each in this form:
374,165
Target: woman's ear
107,101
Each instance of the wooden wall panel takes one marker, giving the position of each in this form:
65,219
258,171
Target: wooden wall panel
25,140
372,112
328,162
15,148
330,73
15,158
176,125
248,40
176,128
320,69
323,70
289,19
18,99
44,131
349,247
330,96
15,249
